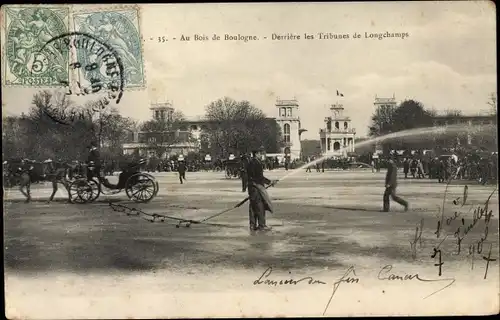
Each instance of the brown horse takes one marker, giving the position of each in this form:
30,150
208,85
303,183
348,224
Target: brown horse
47,171
57,174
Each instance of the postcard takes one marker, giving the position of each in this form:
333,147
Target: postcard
250,160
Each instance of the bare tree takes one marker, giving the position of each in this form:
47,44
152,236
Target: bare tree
453,113
55,128
238,126
382,121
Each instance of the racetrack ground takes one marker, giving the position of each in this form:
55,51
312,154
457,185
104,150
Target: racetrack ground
107,264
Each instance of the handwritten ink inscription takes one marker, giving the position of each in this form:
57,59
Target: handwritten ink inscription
263,279
458,227
386,275
346,278
349,277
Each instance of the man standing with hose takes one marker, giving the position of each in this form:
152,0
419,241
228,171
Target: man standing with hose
258,196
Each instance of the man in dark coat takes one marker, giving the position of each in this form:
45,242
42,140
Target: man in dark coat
181,168
391,183
93,161
406,167
441,171
243,172
447,169
259,199
287,162
413,168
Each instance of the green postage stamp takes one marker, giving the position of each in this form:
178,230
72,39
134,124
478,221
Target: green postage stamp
120,30
31,58
27,30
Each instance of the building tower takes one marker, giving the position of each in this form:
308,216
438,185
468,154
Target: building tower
162,111
289,122
337,138
384,104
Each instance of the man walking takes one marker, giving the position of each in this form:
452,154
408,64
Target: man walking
391,183
287,162
308,169
258,196
181,168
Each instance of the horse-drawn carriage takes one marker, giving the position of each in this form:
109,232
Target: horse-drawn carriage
139,186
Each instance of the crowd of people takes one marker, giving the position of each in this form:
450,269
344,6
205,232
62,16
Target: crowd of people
249,169
472,168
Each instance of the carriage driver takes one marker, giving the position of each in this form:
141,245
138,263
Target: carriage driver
94,161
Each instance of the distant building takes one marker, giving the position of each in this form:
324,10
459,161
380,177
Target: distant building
385,102
338,136
289,121
186,136
467,138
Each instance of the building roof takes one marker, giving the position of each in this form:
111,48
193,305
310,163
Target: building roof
385,100
282,103
337,106
465,117
161,105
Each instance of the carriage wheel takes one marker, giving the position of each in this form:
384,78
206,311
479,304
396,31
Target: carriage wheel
157,186
83,191
95,189
141,187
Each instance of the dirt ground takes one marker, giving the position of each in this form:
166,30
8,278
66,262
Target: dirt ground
67,260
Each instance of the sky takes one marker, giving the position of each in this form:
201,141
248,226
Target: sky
448,61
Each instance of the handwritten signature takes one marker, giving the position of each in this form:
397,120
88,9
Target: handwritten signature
350,277
384,274
263,279
344,279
